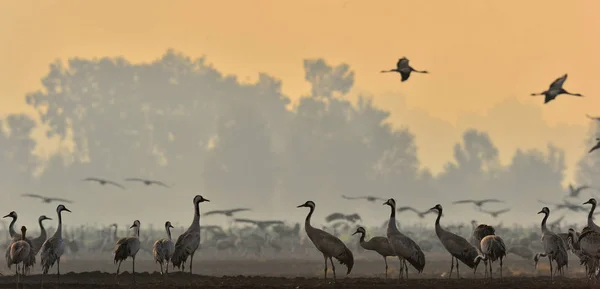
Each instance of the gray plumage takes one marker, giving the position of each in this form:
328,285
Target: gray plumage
492,249
54,247
188,242
39,241
590,219
17,237
19,253
555,89
329,245
587,253
163,249
128,247
403,246
379,244
554,246
457,246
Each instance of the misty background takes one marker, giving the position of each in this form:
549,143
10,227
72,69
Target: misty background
247,144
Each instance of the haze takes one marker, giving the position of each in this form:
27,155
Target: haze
485,58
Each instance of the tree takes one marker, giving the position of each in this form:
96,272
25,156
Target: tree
19,163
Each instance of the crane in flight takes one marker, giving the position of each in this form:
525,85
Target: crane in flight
597,146
478,203
228,213
495,214
46,200
404,69
555,89
368,198
147,182
103,182
574,191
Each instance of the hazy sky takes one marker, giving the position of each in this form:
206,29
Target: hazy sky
485,57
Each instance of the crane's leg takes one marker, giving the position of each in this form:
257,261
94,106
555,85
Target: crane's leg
491,271
500,268
457,271
325,270
161,268
17,274
191,261
400,269
386,266
550,259
118,269
451,268
133,269
485,271
58,269
333,269
405,267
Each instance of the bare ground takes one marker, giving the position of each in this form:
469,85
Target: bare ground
296,274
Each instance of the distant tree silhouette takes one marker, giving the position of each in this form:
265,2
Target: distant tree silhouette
588,166
19,162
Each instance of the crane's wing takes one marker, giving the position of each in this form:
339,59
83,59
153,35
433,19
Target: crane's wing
593,117
268,223
245,221
402,209
353,218
92,179
402,62
351,198
215,212
134,180
61,200
463,202
335,216
492,201
32,196
159,183
501,211
115,184
558,83
597,146
239,210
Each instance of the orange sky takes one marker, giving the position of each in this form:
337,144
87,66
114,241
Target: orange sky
485,57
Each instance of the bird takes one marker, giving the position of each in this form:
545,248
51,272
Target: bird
14,238
47,200
419,213
595,147
329,245
263,225
128,247
379,244
492,249
554,246
19,253
555,89
368,198
147,182
593,117
339,216
574,191
403,246
104,182
478,203
495,214
228,213
565,205
457,246
404,69
54,247
36,243
163,249
479,232
188,242
586,246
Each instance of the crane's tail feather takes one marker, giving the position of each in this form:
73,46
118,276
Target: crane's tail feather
346,258
179,257
417,260
121,253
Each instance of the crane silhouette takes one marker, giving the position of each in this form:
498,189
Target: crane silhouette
404,69
597,146
103,182
46,200
147,182
368,198
555,89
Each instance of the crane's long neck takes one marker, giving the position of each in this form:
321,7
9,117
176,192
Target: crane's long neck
590,219
168,232
58,232
574,240
307,221
11,227
544,228
438,228
43,234
196,221
392,222
362,238
137,231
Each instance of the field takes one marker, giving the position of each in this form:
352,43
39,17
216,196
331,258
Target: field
299,274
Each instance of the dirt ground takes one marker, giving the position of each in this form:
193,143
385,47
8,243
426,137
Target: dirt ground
295,274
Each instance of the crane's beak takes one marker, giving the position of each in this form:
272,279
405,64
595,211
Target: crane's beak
303,205
433,209
171,226
355,233
540,212
132,226
207,200
46,218
6,216
65,209
588,202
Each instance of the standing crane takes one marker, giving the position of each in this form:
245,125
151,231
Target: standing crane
403,246
54,247
492,249
128,247
404,69
19,253
554,246
163,249
189,241
379,244
457,246
555,89
329,245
